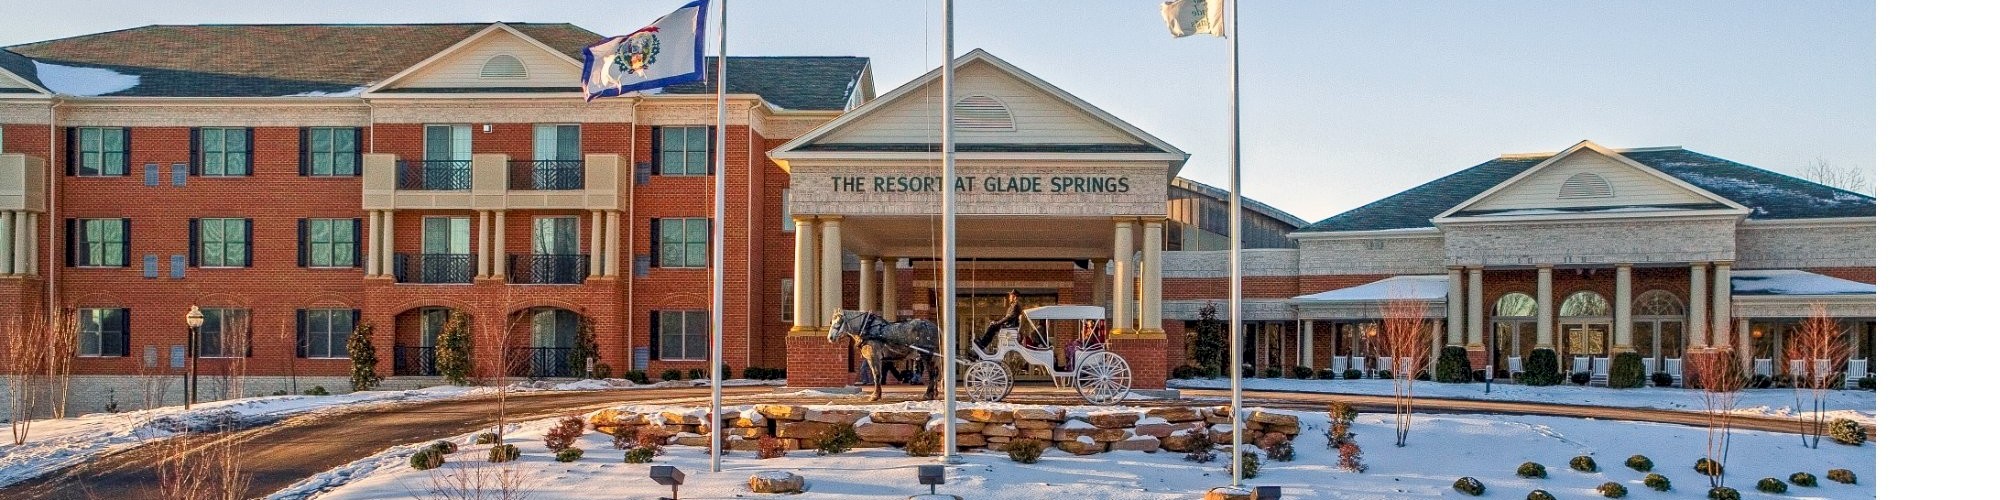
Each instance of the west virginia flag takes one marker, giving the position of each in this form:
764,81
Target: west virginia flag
667,52
1194,17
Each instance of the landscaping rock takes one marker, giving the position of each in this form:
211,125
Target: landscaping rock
1227,493
691,440
1080,448
1175,414
998,439
615,418
1181,443
1042,434
1274,418
1036,424
1270,439
963,426
900,417
744,433
747,420
971,440
734,443
835,416
1047,414
1289,430
1000,431
776,482
1073,428
985,415
885,433
1146,444
1113,420
804,430
783,412
1163,430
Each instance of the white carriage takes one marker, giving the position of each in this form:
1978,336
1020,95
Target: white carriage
1099,375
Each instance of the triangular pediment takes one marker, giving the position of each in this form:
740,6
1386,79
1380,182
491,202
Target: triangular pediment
1590,179
499,58
16,72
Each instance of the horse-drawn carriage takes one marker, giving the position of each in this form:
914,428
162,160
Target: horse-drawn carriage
1099,375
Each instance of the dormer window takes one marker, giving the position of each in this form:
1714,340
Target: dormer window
503,66
1585,185
981,113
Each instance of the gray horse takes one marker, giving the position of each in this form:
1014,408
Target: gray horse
881,341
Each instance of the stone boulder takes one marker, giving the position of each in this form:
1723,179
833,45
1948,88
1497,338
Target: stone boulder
1047,414
1182,442
1080,447
771,481
900,417
747,420
783,412
739,444
1274,418
804,430
985,415
1175,414
971,440
1113,419
1041,434
1227,493
1000,431
1036,424
1070,430
835,416
1289,430
1162,430
615,418
886,433
1269,439
1146,444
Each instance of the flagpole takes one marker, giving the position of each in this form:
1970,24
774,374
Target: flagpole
715,444
1235,257
949,280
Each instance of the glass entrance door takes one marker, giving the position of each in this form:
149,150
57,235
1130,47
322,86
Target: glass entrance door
1583,340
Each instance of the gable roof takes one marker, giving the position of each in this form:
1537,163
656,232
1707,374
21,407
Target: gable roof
1768,195
1222,195
18,67
1712,201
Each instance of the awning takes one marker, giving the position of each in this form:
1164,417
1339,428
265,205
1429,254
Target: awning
1428,287
1793,282
1792,293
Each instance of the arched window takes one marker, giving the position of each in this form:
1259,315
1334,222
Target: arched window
1585,303
1585,185
1658,303
1515,305
982,113
503,66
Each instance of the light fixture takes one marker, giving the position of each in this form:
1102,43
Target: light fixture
930,475
486,129
194,317
1266,493
668,475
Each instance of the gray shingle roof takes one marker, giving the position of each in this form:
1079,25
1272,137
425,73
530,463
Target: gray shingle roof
932,147
790,82
19,65
1769,195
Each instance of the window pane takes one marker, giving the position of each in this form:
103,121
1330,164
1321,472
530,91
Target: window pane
343,139
569,145
437,142
671,340
343,326
695,252
697,162
90,332
89,140
322,139
697,336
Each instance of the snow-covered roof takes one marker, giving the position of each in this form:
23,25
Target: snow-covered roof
80,81
1065,312
1428,287
1793,282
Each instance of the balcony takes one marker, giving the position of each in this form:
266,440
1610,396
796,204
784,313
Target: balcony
434,175
547,269
416,361
23,181
433,268
542,362
545,175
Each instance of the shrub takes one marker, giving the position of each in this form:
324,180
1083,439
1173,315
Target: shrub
1724,493
1424,375
314,391
624,437
1583,463
1579,378
503,453
1479,375
444,447
600,371
1771,485
1639,463
1350,457
1540,495
770,446
1842,476
753,373
1627,372
1281,451
1384,374
726,372
839,441
636,376
279,392
361,359
454,348
1351,374
486,438
1658,482
1340,411
1454,366
564,433
1249,462
696,374
1708,467
1024,450
1211,372
426,459
1663,379
1804,479
923,443
640,455
1611,490
1469,486
1200,449
1541,368
1847,432
1866,383
1187,371
1327,374
779,374
1760,381
1273,372
567,455
1531,469
1302,372
670,375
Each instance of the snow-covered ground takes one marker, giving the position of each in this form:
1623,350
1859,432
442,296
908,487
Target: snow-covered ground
1442,448
1851,404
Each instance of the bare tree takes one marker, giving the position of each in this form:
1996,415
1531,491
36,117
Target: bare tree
61,351
497,336
25,367
1409,345
1851,178
476,481
1822,347
205,467
1721,380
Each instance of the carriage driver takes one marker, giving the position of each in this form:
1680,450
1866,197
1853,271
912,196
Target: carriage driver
1011,320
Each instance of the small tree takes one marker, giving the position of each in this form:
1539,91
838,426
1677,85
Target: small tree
1628,371
29,365
1721,380
1454,365
454,348
1409,345
1209,340
361,356
1819,338
585,352
1541,368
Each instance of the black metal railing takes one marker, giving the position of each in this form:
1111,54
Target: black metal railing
545,175
416,361
542,362
548,269
434,175
433,268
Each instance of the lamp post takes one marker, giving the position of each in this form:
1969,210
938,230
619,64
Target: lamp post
194,321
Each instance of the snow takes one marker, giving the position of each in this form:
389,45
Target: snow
1441,449
1713,182
1422,287
1793,282
338,93
1850,404
1151,421
80,81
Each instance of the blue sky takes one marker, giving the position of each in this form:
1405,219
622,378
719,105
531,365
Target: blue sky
1343,102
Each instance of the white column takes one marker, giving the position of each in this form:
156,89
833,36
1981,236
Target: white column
1454,305
1743,346
804,292
30,245
484,246
1149,322
6,243
388,242
829,267
597,242
1545,317
889,289
1621,311
1306,344
500,240
1121,281
1697,322
1475,310
866,275
372,258
1720,308
611,260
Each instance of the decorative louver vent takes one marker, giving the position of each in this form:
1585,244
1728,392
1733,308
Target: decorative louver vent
503,66
981,113
1585,185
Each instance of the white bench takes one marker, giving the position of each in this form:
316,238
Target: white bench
1600,371
1856,370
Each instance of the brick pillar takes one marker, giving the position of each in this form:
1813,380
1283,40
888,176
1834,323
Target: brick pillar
812,361
1149,358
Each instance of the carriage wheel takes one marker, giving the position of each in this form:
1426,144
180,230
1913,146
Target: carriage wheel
987,381
1103,378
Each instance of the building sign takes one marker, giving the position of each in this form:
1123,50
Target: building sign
1012,188
985,184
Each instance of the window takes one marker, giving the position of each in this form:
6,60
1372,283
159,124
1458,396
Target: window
329,242
332,151
1515,305
98,151
447,143
431,322
555,236
785,207
1585,185
101,332
225,333
1585,303
323,332
223,151
558,142
99,242
680,242
221,242
680,335
1658,303
681,150
503,66
785,300
448,235
981,113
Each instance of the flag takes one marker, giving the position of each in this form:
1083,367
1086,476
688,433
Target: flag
667,52
1193,17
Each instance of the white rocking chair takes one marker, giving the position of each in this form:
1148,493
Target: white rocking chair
1673,369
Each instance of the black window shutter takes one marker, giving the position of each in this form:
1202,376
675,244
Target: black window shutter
356,227
194,151
711,150
125,238
305,151
249,150
299,319
194,242
303,242
654,337
655,237
357,150
124,322
249,242
126,153
69,142
71,242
